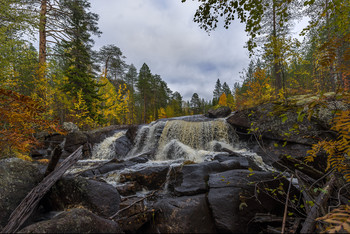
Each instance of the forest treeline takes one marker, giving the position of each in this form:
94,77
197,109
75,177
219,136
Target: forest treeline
66,80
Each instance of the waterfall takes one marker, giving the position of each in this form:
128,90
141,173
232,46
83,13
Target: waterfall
147,138
106,149
176,139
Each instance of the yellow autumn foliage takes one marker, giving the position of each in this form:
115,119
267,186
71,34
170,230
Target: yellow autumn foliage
338,150
223,100
115,104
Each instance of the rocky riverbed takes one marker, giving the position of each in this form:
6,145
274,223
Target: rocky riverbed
188,174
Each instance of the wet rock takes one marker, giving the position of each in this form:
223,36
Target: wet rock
150,177
234,201
189,214
77,220
132,132
98,135
128,188
99,197
107,167
122,146
17,179
220,112
136,213
74,140
141,158
192,179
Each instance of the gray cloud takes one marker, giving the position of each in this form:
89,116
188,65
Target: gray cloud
162,34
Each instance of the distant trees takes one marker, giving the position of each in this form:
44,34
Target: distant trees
195,104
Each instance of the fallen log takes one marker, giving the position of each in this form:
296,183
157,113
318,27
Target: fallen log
310,221
29,203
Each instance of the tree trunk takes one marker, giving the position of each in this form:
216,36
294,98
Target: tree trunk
276,64
42,33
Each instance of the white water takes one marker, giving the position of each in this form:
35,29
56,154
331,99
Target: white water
179,139
105,150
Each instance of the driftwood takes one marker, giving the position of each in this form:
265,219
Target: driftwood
29,203
309,224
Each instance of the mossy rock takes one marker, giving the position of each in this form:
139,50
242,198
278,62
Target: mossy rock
18,178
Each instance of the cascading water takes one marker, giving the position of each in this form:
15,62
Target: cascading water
175,139
106,149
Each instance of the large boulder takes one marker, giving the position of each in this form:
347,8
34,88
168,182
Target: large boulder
236,196
17,179
281,122
192,179
189,214
220,112
99,197
150,177
77,220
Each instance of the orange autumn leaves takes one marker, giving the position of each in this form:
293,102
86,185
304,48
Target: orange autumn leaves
20,117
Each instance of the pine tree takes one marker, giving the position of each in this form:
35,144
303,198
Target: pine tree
217,92
77,63
112,60
131,79
195,104
144,90
226,89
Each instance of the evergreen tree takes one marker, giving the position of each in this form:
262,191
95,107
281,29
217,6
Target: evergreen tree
226,89
131,79
144,91
195,104
217,92
176,103
77,62
112,60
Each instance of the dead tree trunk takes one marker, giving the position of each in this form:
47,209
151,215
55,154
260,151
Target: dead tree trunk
309,224
29,203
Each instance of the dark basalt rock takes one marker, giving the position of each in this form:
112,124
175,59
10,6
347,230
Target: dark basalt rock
150,177
100,197
220,112
122,146
17,179
77,220
276,121
138,214
189,214
192,179
234,201
132,132
98,135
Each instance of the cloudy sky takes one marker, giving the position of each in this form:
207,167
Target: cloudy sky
162,34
